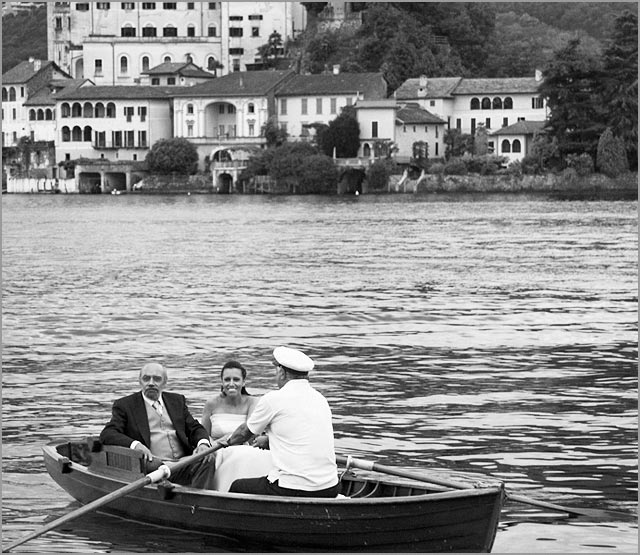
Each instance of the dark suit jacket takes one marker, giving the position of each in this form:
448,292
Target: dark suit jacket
129,422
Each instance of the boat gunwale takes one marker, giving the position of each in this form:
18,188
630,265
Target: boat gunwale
50,450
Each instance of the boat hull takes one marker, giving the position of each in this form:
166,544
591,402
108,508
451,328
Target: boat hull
459,521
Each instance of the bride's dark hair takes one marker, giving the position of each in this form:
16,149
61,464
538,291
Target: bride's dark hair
235,364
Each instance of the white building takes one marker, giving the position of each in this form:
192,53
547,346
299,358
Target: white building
113,43
467,103
306,100
514,142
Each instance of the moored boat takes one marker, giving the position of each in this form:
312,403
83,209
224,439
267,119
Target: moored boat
371,514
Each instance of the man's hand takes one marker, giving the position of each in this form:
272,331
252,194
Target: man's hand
261,442
209,459
147,454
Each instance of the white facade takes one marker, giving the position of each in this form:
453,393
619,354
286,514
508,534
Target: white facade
14,115
112,43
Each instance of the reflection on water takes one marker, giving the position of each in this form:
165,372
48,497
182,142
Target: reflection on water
494,334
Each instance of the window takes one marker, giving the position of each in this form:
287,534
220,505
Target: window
12,94
497,103
505,122
4,94
334,105
124,65
236,51
437,131
235,18
128,5
191,5
404,128
111,110
189,108
128,138
537,103
142,112
221,109
99,110
76,110
65,110
145,63
318,105
432,102
167,59
128,31
142,138
190,130
304,107
374,129
170,31
283,106
98,67
211,31
86,134
211,63
82,6
255,17
231,109
236,64
521,119
255,31
66,134
87,110
155,80
235,31
103,5
169,5
475,104
149,31
148,5
252,129
212,5
516,147
116,138
437,147
508,103
76,134
458,124
414,128
506,147
32,114
191,31
58,24
171,80
473,126
100,138
487,123
15,136
486,103
128,112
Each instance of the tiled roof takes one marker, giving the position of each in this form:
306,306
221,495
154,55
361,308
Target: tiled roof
118,92
23,72
415,114
175,68
437,87
341,83
386,103
521,128
46,97
498,86
245,83
447,87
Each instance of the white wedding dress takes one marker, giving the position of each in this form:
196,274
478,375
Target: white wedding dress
238,461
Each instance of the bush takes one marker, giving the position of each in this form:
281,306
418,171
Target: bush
318,174
379,173
484,165
436,168
175,155
581,163
515,168
456,166
611,155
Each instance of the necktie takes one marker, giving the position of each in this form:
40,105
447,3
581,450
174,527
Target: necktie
156,405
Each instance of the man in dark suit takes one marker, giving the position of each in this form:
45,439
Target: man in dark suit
159,424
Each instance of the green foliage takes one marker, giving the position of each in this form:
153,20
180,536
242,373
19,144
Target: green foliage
575,110
270,52
176,155
317,174
342,133
24,34
611,158
484,164
581,163
618,85
456,166
378,174
436,168
457,143
481,141
273,133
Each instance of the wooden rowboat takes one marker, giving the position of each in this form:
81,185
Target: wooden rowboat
374,514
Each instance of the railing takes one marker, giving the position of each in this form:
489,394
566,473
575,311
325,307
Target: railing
109,145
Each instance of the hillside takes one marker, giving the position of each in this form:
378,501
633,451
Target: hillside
24,34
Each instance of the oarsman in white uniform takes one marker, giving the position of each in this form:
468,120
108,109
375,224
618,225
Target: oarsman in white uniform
297,419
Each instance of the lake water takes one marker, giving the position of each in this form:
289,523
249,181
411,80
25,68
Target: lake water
490,334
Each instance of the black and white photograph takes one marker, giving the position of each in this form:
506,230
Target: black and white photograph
319,277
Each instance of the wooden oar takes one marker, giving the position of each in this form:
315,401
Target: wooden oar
164,471
370,465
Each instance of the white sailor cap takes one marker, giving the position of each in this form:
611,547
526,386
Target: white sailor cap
293,359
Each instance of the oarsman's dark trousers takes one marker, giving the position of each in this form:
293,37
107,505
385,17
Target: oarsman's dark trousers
262,486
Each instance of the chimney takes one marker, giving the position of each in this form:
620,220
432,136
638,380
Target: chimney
538,75
336,69
36,65
423,81
241,85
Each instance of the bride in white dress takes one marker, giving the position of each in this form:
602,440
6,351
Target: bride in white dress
222,415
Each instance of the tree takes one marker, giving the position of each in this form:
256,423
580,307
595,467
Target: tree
343,134
273,133
612,157
618,87
318,174
457,143
569,85
270,52
175,155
